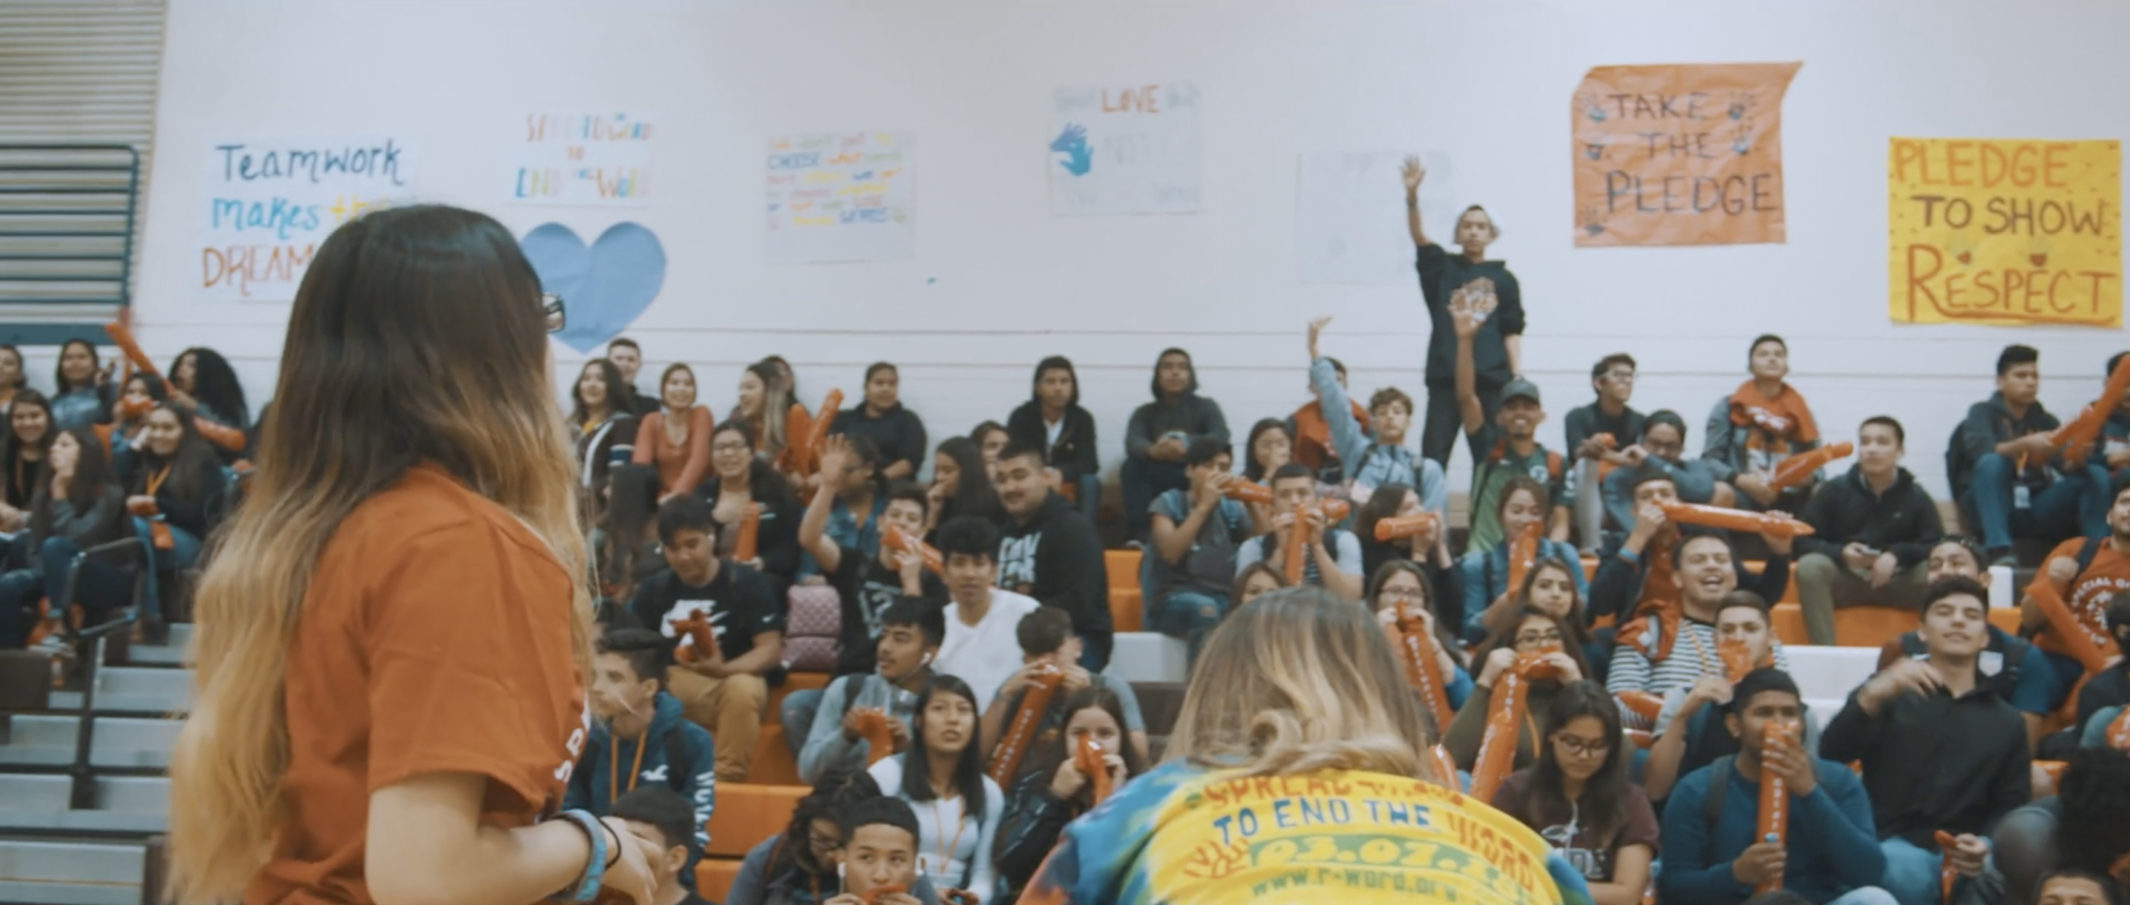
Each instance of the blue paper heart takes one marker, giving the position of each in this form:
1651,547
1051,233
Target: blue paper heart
604,287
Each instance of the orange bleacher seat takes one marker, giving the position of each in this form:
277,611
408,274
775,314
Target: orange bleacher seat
1124,603
793,681
773,762
747,813
1867,626
714,877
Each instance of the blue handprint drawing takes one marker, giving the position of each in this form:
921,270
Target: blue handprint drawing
1079,157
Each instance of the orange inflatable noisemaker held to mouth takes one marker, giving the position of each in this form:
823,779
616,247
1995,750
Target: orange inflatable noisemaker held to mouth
1773,824
1087,758
1416,651
1523,554
898,539
881,892
1397,526
1298,540
1505,712
1737,660
1248,492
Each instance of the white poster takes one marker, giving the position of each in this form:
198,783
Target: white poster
268,203
1125,149
842,196
582,159
1350,215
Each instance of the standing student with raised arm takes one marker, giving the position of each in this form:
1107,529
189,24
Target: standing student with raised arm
1498,348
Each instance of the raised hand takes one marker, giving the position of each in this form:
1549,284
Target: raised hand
1412,171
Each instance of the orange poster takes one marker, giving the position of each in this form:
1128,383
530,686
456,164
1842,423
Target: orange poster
1685,154
2004,231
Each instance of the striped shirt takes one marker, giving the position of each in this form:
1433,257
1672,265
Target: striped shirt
1692,656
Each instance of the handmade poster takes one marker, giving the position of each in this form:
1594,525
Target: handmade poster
1679,154
603,286
842,196
583,159
1350,215
1125,149
268,203
2004,231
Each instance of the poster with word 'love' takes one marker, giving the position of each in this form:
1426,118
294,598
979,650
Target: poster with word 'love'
840,196
2004,232
1125,149
1679,154
268,203
1350,215
582,159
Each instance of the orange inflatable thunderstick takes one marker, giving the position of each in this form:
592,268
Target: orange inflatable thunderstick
701,638
1417,651
879,742
1505,712
1087,758
2076,436
1298,539
1006,758
898,539
1397,526
1775,523
1796,470
1248,492
1774,817
1523,554
750,532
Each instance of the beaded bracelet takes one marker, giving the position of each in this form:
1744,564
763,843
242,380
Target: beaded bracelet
587,888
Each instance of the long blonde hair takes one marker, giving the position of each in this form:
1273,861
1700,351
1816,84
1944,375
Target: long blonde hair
416,337
1299,680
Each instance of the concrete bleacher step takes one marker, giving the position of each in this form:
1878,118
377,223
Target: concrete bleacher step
71,873
134,689
48,740
128,804
1149,657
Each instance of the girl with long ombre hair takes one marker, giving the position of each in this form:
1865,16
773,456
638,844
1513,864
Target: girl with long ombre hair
1299,745
393,631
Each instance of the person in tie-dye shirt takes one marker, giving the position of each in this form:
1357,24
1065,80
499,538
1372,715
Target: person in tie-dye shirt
1299,772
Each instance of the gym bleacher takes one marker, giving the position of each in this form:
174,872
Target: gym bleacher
78,830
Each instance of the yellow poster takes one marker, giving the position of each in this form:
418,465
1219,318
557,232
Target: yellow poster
1679,154
1984,231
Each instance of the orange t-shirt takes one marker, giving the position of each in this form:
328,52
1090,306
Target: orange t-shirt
680,466
435,638
2089,593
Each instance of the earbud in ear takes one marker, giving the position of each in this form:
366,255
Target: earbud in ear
927,659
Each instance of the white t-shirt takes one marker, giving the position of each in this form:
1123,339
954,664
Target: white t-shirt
988,653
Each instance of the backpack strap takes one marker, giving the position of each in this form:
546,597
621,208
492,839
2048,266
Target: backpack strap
1719,788
2086,552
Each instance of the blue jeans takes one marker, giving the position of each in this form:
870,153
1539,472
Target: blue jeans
797,716
1911,872
1089,487
1142,480
2078,501
1189,616
99,587
184,551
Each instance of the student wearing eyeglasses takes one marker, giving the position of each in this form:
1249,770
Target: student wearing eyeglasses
1578,798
